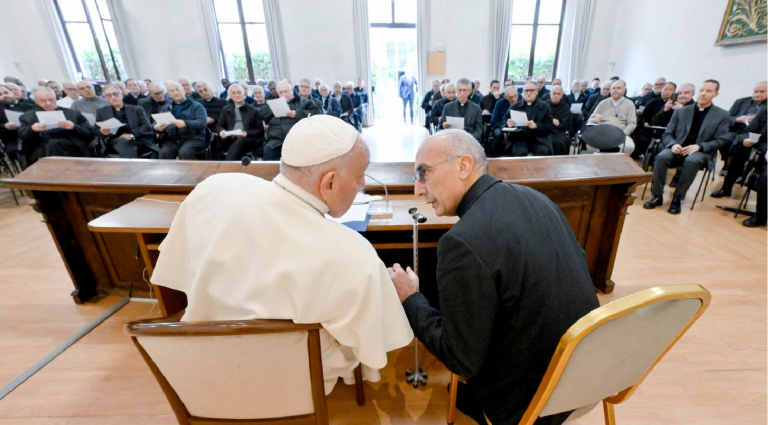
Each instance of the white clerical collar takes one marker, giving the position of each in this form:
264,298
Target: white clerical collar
616,103
529,103
293,190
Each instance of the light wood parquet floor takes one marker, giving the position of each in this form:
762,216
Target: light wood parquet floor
716,374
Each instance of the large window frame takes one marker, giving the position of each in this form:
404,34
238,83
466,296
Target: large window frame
244,28
96,43
531,60
393,23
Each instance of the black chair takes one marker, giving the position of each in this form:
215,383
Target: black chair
603,137
6,169
709,171
650,155
749,179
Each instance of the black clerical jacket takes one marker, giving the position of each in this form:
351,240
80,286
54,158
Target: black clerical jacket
253,124
511,279
137,124
10,137
473,119
538,112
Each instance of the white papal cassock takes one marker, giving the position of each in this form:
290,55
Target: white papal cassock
242,247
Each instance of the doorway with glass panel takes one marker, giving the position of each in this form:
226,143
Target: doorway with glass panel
393,54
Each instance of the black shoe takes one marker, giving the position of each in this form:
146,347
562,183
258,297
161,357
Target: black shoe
656,201
674,207
722,193
752,222
724,171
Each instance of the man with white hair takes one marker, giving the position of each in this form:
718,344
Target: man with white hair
70,137
213,105
188,92
448,95
462,107
499,119
18,93
70,95
279,127
511,279
617,111
184,137
135,138
156,101
316,91
331,106
143,89
88,103
351,106
243,117
9,133
282,258
561,120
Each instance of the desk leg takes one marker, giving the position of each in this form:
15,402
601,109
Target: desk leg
169,300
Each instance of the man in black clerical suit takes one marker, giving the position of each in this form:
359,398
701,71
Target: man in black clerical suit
9,132
213,105
448,95
511,280
72,137
742,111
240,116
462,107
489,100
156,101
534,136
643,132
135,139
561,120
134,92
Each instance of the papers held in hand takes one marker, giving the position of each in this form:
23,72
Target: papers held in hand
13,117
231,133
576,107
640,109
90,117
279,107
519,117
754,137
455,122
163,118
111,124
50,119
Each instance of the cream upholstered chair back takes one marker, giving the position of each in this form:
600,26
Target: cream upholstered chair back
235,370
607,354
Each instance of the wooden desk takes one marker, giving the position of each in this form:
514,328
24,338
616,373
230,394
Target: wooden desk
593,191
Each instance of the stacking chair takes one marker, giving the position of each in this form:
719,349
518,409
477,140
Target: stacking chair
749,179
264,372
608,353
603,137
6,169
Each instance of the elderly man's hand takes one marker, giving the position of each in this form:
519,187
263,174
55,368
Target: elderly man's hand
290,114
406,282
210,120
446,125
104,131
742,119
160,127
10,126
668,105
127,136
677,149
180,123
688,150
555,121
748,143
598,117
37,127
532,125
511,123
66,125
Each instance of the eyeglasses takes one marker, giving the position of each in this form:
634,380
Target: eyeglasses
529,90
111,94
421,171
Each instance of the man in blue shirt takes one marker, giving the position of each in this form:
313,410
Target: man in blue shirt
407,91
185,137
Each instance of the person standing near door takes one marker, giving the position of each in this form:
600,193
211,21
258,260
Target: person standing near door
407,90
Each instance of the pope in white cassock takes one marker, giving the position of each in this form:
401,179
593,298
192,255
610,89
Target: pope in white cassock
242,247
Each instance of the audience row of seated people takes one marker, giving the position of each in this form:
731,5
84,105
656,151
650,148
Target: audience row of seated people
205,124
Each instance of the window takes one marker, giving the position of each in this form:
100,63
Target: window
534,39
243,40
91,37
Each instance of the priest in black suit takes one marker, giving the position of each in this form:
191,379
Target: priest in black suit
156,101
463,107
511,280
561,120
135,139
240,116
9,132
534,136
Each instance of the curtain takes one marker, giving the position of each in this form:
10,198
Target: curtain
212,41
363,51
502,27
274,34
422,47
573,43
120,25
58,40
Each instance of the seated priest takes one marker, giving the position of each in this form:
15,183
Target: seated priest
691,140
684,98
188,89
305,92
533,137
541,85
213,105
475,96
758,126
561,120
156,101
239,116
438,105
9,133
71,137
577,95
351,106
742,112
489,100
617,111
259,96
331,106
499,120
644,135
134,92
70,95
511,279
135,139
88,103
274,255
185,137
280,126
464,108
427,101
316,91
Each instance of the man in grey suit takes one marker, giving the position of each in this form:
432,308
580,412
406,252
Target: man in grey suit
135,138
463,108
691,140
742,112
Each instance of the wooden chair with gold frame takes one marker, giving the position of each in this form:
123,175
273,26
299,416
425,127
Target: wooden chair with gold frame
608,353
241,371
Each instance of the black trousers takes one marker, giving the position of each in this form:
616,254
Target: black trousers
58,147
524,147
273,153
738,158
560,143
237,147
761,187
192,149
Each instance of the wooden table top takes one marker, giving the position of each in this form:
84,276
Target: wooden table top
163,176
154,214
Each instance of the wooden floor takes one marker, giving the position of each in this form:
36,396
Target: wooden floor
716,374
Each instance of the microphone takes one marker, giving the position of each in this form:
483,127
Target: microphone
376,208
246,161
416,215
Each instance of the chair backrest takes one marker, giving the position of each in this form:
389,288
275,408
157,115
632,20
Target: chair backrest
608,353
247,370
603,136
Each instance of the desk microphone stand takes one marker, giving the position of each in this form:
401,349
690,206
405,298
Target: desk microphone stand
416,375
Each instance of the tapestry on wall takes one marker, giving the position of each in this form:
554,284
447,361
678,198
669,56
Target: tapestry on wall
745,21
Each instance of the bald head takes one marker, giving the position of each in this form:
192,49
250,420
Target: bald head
185,85
759,92
618,89
285,90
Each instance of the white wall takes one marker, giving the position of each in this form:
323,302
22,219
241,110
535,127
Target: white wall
678,44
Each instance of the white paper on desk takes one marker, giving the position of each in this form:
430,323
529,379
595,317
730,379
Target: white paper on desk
576,107
163,118
455,122
13,117
355,213
519,117
111,124
279,107
90,117
237,132
50,119
754,137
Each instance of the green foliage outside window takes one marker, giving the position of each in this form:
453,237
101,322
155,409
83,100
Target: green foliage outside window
517,68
